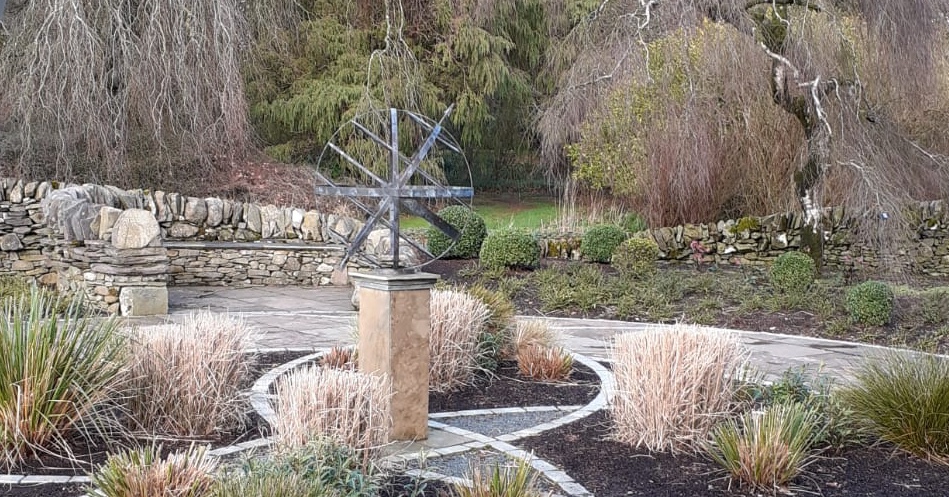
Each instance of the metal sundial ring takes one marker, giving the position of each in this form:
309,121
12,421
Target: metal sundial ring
395,192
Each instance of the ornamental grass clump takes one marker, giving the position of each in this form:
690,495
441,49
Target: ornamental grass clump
545,363
533,332
905,398
674,385
766,449
336,405
508,479
496,333
56,373
458,322
142,472
184,379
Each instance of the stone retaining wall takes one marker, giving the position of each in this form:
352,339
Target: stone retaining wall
247,264
64,236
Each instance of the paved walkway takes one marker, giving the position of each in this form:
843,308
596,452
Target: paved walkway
293,317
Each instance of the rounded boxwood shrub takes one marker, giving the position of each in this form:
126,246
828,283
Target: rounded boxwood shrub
473,231
510,248
636,257
870,302
600,241
792,272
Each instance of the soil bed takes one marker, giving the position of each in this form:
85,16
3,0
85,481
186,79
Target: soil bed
611,469
508,389
724,296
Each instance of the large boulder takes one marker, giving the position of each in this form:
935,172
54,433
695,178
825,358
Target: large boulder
135,229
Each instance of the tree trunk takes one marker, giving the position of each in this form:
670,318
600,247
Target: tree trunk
787,92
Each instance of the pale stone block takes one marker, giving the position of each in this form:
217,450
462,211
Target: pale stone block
106,220
134,229
143,301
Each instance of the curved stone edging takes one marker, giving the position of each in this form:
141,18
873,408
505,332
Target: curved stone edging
501,443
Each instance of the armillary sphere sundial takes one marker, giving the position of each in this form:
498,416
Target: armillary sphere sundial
382,181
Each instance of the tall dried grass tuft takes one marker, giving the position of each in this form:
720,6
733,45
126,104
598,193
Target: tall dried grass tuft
339,358
458,319
530,333
184,379
142,472
346,407
673,385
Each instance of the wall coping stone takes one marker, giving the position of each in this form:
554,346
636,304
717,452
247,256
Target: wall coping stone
171,244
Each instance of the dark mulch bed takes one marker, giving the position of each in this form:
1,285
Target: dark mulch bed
508,389
611,469
92,452
912,325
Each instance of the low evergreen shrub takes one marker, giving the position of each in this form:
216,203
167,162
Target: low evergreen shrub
792,272
870,302
600,241
636,257
469,223
319,468
510,248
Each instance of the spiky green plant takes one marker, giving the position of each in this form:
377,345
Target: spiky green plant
54,372
320,468
500,480
905,397
766,449
142,472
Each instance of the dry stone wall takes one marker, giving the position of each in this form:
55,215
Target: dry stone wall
759,240
103,240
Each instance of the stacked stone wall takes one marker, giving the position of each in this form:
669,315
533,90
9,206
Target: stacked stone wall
241,264
759,240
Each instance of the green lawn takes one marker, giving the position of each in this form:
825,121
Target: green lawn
500,212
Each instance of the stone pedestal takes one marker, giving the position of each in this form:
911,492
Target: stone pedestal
394,327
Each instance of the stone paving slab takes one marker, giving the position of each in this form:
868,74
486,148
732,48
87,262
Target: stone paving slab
289,316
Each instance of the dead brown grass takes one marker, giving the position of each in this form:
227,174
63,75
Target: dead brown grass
184,379
347,407
458,319
673,385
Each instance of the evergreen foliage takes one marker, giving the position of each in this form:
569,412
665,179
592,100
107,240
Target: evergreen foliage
600,241
870,302
792,272
510,248
636,257
472,228
423,56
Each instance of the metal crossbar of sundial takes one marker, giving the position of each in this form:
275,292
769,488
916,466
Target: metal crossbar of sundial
396,191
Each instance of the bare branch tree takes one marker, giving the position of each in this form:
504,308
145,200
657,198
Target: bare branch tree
863,80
